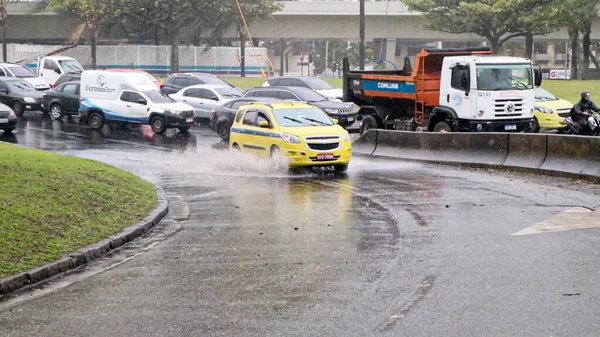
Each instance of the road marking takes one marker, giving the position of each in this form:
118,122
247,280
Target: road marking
573,218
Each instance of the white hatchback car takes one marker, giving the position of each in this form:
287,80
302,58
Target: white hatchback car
205,98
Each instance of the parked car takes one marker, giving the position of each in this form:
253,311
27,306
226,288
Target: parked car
222,116
155,80
205,97
317,84
8,119
550,111
343,112
20,95
21,71
62,101
176,82
64,78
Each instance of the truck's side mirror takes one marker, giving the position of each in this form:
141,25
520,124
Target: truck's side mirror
464,80
142,101
537,77
56,70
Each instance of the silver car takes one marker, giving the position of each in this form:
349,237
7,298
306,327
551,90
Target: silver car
205,98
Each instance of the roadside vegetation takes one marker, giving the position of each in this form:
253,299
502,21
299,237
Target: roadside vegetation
52,204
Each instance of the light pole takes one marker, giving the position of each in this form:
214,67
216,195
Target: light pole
361,47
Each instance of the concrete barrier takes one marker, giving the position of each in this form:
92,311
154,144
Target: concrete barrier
366,143
526,150
488,148
579,155
550,154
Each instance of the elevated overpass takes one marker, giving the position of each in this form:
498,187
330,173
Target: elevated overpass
389,23
303,19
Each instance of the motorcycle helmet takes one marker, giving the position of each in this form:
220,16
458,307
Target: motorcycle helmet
584,94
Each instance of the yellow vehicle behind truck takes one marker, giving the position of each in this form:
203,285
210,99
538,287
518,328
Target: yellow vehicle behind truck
301,132
550,111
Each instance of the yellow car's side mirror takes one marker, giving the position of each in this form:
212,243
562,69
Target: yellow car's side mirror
264,124
336,121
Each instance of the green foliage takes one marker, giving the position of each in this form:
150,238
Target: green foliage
496,20
337,50
91,12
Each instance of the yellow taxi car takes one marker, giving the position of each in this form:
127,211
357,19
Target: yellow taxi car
550,111
301,132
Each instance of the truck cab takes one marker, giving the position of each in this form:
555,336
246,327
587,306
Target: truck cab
51,67
484,93
448,90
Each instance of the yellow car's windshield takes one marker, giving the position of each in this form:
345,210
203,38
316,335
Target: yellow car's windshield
294,117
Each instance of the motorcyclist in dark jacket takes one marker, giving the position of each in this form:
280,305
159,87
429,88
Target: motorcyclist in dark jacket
583,109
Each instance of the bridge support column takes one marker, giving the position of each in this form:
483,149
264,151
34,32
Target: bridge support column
385,49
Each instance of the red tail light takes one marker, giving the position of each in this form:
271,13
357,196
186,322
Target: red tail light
213,111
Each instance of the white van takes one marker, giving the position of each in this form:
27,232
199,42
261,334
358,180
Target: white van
130,98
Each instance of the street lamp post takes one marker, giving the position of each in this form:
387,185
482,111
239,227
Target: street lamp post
361,48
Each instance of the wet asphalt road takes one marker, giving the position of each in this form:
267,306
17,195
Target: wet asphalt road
390,249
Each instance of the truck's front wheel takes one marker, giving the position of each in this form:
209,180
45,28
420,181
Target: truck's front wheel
442,127
367,124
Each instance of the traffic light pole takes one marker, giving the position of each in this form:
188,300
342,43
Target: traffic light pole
361,48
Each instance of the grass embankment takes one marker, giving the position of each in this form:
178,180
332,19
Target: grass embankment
52,204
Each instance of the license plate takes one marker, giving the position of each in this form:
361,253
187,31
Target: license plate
325,156
3,120
350,119
510,127
189,120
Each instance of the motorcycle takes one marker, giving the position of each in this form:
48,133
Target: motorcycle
592,127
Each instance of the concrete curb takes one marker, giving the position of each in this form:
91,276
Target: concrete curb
89,253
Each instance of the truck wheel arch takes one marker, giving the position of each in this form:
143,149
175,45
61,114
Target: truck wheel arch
440,114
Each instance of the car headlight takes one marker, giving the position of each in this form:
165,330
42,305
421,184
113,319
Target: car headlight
29,99
331,111
168,112
543,110
289,138
12,114
346,136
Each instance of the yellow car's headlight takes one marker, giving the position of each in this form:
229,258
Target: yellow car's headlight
543,110
346,136
289,138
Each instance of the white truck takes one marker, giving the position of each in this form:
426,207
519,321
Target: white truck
449,90
51,67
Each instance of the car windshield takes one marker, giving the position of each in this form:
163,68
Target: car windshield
228,92
543,95
504,77
20,86
157,96
22,72
150,77
293,117
309,95
70,66
207,79
316,83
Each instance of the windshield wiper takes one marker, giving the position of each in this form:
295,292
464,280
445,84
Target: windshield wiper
518,82
293,120
315,121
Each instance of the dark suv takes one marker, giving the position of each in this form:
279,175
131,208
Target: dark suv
176,82
343,112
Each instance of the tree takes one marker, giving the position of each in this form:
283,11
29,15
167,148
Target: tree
496,20
4,25
92,13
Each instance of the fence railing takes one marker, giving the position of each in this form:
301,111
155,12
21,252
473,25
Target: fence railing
155,59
